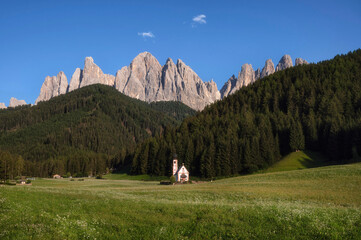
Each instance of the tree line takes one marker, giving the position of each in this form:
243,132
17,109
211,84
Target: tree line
315,107
83,132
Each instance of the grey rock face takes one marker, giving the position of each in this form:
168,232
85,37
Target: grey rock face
147,80
15,102
75,80
228,86
213,90
268,68
257,74
52,87
2,106
300,61
284,63
245,77
144,77
92,74
121,78
190,89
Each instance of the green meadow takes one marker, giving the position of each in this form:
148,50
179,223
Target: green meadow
299,160
317,203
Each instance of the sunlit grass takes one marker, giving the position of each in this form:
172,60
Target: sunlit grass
311,203
299,160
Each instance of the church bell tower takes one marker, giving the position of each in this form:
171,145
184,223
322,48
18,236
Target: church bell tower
175,164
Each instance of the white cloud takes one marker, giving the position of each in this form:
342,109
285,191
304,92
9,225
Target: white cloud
146,34
201,19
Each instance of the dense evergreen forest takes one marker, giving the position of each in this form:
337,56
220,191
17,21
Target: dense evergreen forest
83,132
315,106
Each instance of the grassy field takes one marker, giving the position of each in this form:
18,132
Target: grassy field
299,160
318,203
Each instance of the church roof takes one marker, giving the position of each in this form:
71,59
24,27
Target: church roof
181,168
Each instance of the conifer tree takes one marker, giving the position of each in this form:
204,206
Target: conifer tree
297,139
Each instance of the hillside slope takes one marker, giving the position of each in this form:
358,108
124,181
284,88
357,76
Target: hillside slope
83,131
316,107
299,160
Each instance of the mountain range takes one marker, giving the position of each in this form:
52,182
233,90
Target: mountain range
145,79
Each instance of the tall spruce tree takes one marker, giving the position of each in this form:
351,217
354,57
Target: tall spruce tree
297,139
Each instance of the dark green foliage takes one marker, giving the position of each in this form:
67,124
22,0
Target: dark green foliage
85,131
172,179
315,106
176,110
11,166
297,139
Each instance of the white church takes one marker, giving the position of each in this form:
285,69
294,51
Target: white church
181,174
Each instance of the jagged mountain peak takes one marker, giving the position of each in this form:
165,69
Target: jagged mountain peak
147,80
53,86
2,106
88,60
169,61
268,68
247,75
285,62
15,102
300,61
144,57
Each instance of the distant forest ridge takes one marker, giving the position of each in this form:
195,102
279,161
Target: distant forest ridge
83,132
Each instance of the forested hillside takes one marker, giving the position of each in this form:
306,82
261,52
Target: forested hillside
83,132
316,106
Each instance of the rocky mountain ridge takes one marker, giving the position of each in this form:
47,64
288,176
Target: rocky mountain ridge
146,79
247,75
13,103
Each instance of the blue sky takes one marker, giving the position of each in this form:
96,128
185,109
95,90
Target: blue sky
215,38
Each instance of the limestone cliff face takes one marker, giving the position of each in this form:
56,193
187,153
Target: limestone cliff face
247,75
2,106
228,86
15,102
147,80
300,61
92,74
284,63
75,80
268,68
213,90
52,87
257,74
144,79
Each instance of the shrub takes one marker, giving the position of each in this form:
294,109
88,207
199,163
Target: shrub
99,176
72,179
81,179
28,181
172,179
